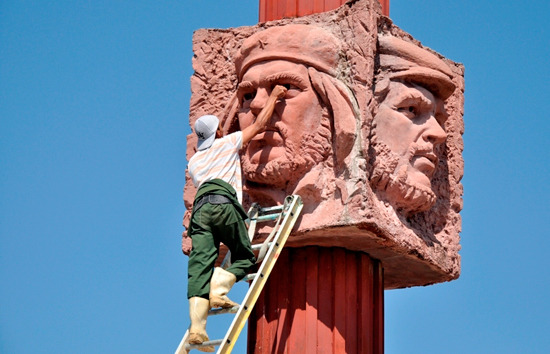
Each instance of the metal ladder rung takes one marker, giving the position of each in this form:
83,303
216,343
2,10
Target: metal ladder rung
220,311
249,277
259,245
273,208
215,343
268,217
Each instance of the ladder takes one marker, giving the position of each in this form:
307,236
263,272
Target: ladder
285,216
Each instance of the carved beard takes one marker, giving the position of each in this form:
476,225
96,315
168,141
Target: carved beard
298,159
392,178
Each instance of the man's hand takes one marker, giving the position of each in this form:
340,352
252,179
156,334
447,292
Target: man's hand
279,91
263,118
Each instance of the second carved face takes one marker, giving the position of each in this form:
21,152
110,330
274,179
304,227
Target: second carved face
409,125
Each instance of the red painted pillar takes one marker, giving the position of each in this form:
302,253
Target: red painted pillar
320,300
277,9
385,7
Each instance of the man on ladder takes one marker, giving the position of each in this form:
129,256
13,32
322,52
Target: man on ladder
218,216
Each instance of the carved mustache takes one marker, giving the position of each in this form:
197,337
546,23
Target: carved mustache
279,128
423,150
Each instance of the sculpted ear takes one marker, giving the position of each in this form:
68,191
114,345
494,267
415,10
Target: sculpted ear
340,100
230,122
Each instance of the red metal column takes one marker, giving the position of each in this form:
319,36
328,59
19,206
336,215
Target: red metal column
385,7
320,300
277,9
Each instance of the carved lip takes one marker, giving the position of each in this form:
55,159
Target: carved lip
425,162
429,155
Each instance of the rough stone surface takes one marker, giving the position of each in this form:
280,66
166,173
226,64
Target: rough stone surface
347,204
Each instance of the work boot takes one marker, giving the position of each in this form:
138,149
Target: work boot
221,283
198,312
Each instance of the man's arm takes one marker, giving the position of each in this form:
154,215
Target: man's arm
263,118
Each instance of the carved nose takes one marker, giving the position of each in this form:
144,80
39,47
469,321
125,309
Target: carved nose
259,101
434,133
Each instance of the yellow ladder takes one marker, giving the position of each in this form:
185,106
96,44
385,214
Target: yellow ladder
285,216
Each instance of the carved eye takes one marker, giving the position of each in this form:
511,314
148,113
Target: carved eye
409,111
249,96
290,87
291,90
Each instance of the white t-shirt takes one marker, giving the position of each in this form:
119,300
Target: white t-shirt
221,160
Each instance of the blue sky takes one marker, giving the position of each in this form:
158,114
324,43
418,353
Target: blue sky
94,98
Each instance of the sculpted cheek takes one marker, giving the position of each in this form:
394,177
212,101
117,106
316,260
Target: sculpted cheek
245,119
384,127
395,131
309,111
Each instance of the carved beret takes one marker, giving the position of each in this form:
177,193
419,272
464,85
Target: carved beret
404,60
304,44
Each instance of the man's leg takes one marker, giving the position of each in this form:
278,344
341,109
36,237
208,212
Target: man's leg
242,257
203,254
198,313
229,227
201,261
234,235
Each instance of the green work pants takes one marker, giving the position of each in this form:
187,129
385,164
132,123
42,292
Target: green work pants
210,225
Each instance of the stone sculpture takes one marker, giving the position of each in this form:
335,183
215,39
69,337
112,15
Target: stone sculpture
411,87
370,134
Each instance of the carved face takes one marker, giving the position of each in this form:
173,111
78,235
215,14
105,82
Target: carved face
290,145
409,125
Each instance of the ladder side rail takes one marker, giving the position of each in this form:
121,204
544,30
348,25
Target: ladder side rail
290,215
181,348
266,267
253,212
